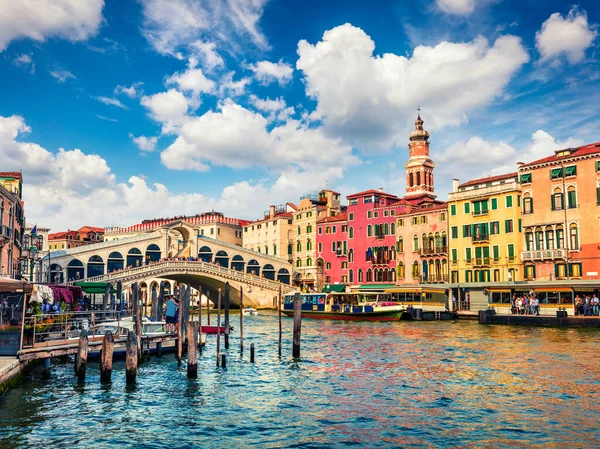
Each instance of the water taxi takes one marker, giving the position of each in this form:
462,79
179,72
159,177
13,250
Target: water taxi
250,311
346,306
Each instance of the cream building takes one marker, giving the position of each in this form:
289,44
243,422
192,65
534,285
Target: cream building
273,235
312,208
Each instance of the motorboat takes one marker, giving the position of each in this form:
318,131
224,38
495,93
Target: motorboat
250,311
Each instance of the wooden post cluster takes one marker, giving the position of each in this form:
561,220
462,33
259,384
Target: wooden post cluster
154,309
131,358
180,328
160,301
108,346
192,350
226,307
297,326
119,297
219,327
137,317
82,354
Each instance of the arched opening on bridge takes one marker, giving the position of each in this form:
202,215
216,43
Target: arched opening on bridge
253,268
56,274
95,266
222,259
205,254
75,270
167,288
134,258
237,263
283,276
152,253
179,239
269,272
115,262
144,290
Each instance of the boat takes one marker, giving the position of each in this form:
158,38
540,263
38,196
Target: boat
250,311
212,330
346,306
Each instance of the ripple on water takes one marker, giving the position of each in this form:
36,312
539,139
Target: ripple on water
413,385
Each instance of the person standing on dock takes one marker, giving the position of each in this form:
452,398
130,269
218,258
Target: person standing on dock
595,305
171,314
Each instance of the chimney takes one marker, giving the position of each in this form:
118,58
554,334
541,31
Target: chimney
454,185
381,189
271,211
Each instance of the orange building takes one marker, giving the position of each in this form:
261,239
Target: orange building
72,239
12,222
560,200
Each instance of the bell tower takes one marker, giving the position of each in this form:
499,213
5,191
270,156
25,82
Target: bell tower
419,167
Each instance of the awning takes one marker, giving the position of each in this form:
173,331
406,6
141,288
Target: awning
94,287
375,286
498,290
553,289
413,289
336,288
15,286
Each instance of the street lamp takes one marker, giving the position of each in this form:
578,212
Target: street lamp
32,244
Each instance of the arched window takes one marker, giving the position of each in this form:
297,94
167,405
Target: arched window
400,270
411,181
298,246
369,231
549,237
298,263
415,243
573,237
309,246
351,276
557,199
369,275
527,203
415,270
386,229
393,228
351,232
308,262
360,275
351,256
560,237
418,178
425,241
571,197
328,266
309,229
529,240
539,239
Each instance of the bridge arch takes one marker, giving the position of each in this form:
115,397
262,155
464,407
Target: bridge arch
253,267
268,272
114,262
75,270
153,253
222,259
237,263
134,258
205,254
283,276
56,274
95,266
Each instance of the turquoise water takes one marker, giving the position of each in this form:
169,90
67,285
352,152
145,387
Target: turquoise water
413,385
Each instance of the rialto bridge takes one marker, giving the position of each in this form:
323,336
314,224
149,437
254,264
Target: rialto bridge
176,253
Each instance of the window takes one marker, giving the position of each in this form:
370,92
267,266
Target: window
393,229
571,197
360,275
351,232
575,269
308,262
423,219
415,270
466,231
351,276
376,214
400,245
560,270
539,240
328,266
494,227
508,226
480,207
468,255
415,243
557,200
344,265
369,231
527,203
309,246
573,237
299,247
299,230
560,235
298,263
526,178
386,229
467,208
320,230
494,203
401,221
350,217
454,255
520,225
549,238
334,229
414,221
369,214
266,250
327,229
556,173
597,165
454,232
392,212
496,253
442,216
453,209
320,246
529,272
509,201
571,170
351,256
400,270
511,252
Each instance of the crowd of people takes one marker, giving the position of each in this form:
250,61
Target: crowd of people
525,305
587,306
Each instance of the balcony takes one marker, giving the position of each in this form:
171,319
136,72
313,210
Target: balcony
481,262
380,236
433,279
480,238
431,251
340,253
547,254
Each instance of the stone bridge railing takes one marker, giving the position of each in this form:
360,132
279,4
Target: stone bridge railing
159,269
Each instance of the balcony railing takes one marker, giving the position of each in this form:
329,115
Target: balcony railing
481,262
433,250
481,238
433,279
547,254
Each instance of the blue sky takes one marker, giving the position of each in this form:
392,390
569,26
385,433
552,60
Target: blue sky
117,111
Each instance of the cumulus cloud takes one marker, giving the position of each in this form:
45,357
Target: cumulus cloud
208,55
169,26
74,20
25,62
144,143
62,75
456,7
267,72
193,81
469,152
275,109
169,108
570,36
131,91
111,102
229,87
368,99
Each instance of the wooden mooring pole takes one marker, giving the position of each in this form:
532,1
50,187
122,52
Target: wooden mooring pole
192,350
297,326
208,307
131,358
279,318
108,346
241,320
181,296
119,297
227,293
200,318
219,328
82,354
251,352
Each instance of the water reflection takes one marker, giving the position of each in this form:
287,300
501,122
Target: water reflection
425,385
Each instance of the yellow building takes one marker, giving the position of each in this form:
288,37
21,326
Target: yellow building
484,220
273,235
312,208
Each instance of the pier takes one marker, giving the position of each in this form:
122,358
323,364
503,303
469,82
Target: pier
490,317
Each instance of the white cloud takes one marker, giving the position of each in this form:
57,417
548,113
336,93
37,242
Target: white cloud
74,20
570,36
267,72
193,81
369,100
25,61
457,7
111,102
276,109
144,143
229,87
168,26
131,91
169,108
108,119
208,55
471,152
62,75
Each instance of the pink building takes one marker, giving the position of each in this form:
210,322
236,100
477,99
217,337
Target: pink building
332,250
372,219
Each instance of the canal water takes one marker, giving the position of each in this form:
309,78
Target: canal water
404,384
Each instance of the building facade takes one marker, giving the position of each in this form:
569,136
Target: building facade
274,234
12,223
85,235
561,215
35,247
485,230
332,249
312,208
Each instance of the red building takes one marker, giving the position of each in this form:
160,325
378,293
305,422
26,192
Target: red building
332,249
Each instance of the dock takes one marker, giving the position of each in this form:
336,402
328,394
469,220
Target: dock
10,372
490,317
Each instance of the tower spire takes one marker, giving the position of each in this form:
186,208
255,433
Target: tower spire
419,167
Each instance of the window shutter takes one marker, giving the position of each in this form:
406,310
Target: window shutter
478,252
506,230
571,198
520,225
476,207
494,203
598,195
553,202
496,251
484,207
511,250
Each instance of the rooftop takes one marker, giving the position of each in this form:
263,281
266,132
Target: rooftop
591,148
372,192
12,174
339,217
479,181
